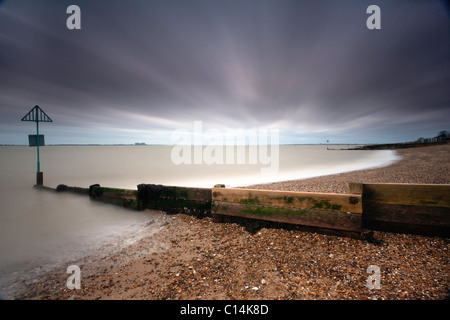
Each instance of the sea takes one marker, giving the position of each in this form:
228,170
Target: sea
39,228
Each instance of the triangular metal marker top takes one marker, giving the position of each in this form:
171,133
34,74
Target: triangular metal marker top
37,115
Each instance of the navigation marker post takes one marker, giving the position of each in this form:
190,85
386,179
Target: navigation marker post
37,115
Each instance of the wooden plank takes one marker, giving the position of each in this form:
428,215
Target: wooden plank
414,215
120,197
408,194
355,188
64,188
307,217
397,227
300,200
114,192
174,192
118,201
174,199
249,225
168,204
197,194
407,208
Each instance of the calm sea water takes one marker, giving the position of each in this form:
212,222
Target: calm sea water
41,226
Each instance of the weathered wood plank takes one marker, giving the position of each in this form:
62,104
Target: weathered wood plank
114,192
355,188
197,194
174,199
408,194
174,192
300,200
169,204
397,227
406,208
419,215
64,188
307,217
120,197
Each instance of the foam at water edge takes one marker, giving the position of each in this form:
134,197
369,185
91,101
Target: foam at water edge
389,157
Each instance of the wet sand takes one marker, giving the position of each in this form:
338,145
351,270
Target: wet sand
182,257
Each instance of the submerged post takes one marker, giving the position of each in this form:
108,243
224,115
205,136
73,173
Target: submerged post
37,115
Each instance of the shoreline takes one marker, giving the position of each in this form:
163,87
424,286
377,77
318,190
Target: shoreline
386,163
417,165
182,257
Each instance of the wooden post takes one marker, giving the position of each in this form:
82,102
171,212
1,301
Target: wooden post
217,217
39,178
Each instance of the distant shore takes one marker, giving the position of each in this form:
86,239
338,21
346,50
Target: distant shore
190,258
355,146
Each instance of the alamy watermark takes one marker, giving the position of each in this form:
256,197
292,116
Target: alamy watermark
224,147
374,20
73,22
374,279
74,280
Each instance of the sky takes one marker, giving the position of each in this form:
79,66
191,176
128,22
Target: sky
138,70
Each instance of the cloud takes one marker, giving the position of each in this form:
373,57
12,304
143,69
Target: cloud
306,67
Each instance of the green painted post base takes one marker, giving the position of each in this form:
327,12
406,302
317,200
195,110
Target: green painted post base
39,178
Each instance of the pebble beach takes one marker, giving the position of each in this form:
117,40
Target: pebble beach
182,257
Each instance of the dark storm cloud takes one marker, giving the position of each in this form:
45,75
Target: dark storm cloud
309,68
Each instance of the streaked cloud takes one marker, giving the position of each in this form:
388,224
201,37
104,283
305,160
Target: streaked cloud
138,70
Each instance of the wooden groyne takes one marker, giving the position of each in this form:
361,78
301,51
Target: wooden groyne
403,208
325,211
